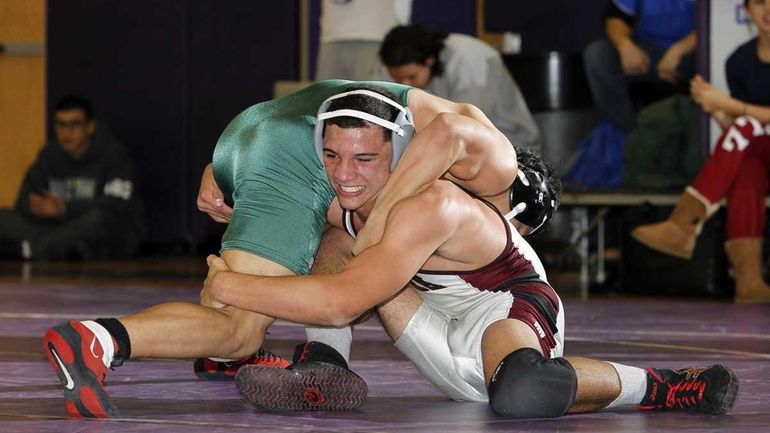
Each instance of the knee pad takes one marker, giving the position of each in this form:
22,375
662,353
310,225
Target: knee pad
527,385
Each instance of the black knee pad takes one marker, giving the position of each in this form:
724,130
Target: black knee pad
527,385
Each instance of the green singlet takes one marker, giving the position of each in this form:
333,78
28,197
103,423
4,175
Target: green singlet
267,168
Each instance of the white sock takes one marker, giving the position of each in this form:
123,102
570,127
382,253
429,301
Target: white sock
222,359
633,385
338,338
104,338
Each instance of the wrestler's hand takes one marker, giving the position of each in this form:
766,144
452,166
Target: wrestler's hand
210,198
216,264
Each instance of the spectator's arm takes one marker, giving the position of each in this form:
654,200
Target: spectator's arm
35,180
723,119
712,100
687,44
618,32
633,60
668,66
760,112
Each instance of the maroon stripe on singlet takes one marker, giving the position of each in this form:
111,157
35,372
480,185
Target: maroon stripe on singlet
530,313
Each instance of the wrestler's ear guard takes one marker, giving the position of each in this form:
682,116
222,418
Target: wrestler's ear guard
402,129
530,199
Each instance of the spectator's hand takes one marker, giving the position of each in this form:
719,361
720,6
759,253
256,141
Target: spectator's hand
46,204
216,265
633,59
669,64
705,95
210,198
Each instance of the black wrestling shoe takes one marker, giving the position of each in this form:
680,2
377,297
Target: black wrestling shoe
208,369
319,379
709,389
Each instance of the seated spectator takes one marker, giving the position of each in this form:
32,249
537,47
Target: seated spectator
78,200
462,69
647,41
738,169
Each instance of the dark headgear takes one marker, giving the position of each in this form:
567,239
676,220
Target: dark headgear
530,199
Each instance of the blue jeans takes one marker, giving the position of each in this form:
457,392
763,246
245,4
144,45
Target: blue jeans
609,85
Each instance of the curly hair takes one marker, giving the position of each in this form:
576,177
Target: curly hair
535,162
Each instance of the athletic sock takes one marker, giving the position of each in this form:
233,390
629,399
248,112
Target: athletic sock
339,339
633,385
119,343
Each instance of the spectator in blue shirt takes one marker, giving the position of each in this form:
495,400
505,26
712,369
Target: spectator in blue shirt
647,40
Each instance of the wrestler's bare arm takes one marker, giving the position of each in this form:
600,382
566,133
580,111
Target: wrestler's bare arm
456,141
337,299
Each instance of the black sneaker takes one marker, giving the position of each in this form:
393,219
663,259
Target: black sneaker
208,369
319,379
709,389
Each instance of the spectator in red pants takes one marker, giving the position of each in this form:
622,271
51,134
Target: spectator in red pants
738,169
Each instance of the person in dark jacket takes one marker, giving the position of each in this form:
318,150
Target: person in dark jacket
78,199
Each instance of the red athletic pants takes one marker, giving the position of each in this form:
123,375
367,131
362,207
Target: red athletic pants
738,170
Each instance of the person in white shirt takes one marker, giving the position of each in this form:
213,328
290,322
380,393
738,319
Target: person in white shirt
351,33
461,68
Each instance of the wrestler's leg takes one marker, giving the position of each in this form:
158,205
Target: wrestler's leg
185,330
170,330
319,378
525,384
332,256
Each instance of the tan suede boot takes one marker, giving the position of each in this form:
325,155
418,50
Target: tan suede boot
676,236
746,257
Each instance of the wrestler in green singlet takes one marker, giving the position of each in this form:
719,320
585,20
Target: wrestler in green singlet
267,168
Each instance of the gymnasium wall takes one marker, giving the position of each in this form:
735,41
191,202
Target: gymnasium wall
22,91
167,76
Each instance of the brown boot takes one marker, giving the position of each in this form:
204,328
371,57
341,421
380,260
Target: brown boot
676,235
746,257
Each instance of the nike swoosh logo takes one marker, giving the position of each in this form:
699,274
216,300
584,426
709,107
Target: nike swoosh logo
70,383
93,342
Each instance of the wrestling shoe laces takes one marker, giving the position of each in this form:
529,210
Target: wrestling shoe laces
708,389
208,369
76,356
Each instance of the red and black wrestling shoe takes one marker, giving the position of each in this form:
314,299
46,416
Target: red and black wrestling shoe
208,369
76,356
709,389
319,379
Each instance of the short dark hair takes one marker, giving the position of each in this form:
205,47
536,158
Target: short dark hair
413,44
535,162
367,104
72,102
